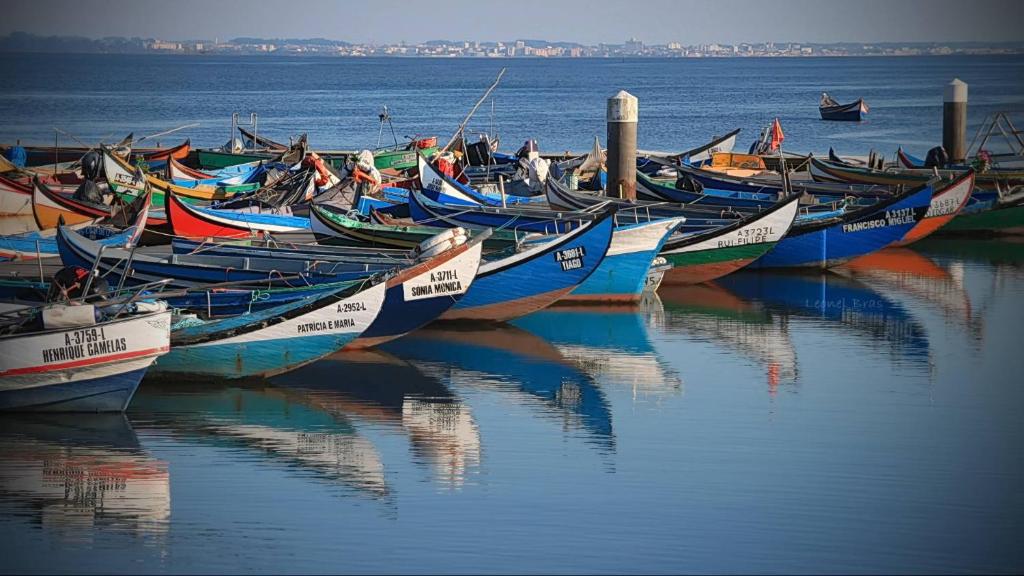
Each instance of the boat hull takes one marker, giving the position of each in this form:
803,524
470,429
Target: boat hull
946,203
717,254
110,393
93,368
622,275
15,198
825,245
1007,220
421,294
536,278
273,341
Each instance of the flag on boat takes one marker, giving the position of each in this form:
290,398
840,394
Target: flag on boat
777,135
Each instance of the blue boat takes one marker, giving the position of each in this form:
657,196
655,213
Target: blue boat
717,184
622,274
823,243
539,275
188,271
440,188
425,211
274,340
417,295
650,189
32,245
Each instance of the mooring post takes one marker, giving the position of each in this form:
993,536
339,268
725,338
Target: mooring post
623,111
954,120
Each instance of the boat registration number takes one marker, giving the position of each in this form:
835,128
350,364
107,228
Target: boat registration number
570,258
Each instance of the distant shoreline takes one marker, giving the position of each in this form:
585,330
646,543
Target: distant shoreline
325,56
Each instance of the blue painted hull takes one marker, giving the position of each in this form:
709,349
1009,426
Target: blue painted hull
145,271
106,394
28,244
709,196
250,359
523,286
459,216
399,317
863,232
620,277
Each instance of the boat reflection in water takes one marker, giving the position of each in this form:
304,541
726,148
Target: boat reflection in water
507,358
272,422
381,388
713,314
901,272
75,471
833,301
610,343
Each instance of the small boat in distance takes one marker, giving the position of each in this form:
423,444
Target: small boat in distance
832,110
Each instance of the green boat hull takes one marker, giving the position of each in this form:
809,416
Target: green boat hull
1009,220
399,159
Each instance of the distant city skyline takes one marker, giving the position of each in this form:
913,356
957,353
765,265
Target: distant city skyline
581,21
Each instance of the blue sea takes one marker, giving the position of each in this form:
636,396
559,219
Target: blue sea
867,420
559,102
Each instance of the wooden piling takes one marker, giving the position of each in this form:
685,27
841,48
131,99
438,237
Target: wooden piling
623,112
954,120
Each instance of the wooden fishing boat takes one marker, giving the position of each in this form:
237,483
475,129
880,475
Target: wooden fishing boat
440,188
947,201
425,287
175,170
262,141
824,171
404,157
188,221
704,256
76,363
50,208
537,276
832,110
15,198
703,152
43,155
622,275
277,339
520,220
765,185
179,152
190,271
337,229
828,242
128,181
33,245
989,216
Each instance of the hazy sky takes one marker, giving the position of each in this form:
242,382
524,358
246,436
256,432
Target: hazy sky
586,21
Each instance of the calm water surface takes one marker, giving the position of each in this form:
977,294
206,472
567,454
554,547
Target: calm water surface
861,421
560,102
